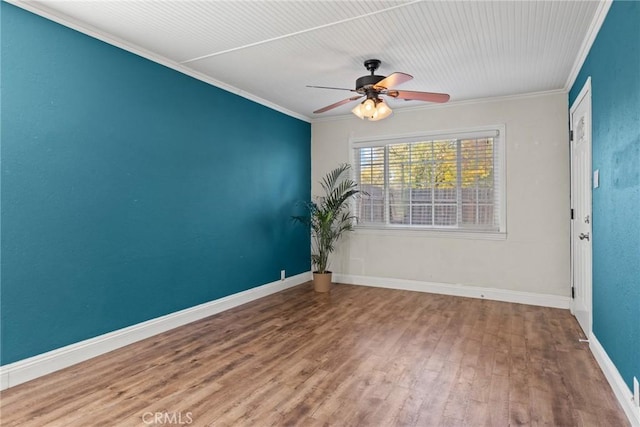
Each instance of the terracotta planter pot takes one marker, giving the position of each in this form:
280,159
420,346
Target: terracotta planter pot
322,282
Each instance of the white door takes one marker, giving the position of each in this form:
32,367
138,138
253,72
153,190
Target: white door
581,184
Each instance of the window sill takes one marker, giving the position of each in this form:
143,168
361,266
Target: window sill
429,232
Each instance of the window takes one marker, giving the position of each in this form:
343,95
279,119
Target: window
447,182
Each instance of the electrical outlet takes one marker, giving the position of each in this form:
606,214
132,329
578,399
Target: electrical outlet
282,274
636,392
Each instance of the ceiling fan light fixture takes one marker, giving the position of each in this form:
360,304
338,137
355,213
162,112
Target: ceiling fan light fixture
358,111
382,111
372,109
369,106
373,86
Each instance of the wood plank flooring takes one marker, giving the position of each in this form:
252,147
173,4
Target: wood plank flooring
359,356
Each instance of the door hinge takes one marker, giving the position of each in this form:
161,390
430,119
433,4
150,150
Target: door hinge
570,136
571,213
573,293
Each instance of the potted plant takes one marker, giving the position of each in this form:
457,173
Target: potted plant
329,218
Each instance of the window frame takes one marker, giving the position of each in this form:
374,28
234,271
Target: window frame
499,164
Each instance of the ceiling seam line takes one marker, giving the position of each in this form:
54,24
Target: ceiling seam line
331,24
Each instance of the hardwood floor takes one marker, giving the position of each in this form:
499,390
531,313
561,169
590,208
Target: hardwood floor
359,356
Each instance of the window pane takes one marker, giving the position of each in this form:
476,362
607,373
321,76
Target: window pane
422,214
446,215
477,182
398,214
371,179
448,183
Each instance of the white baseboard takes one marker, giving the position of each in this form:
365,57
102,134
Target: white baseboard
620,389
555,301
42,364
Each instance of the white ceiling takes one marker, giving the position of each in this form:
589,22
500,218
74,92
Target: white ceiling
270,50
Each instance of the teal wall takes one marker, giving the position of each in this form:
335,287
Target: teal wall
130,191
614,66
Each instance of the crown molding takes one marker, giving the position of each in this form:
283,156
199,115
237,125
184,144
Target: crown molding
41,10
592,33
89,30
461,102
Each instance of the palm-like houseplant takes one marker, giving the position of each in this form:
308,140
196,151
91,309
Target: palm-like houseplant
329,217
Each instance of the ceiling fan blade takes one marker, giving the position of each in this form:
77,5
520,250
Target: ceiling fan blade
393,80
335,88
337,104
418,96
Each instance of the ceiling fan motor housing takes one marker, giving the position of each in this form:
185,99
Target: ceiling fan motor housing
374,86
367,81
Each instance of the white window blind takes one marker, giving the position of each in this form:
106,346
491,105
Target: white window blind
441,182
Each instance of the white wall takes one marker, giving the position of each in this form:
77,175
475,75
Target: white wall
535,255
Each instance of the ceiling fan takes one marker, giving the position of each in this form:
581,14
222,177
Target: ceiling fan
372,87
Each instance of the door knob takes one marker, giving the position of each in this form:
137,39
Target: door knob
583,236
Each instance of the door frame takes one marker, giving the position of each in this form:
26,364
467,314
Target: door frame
584,93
